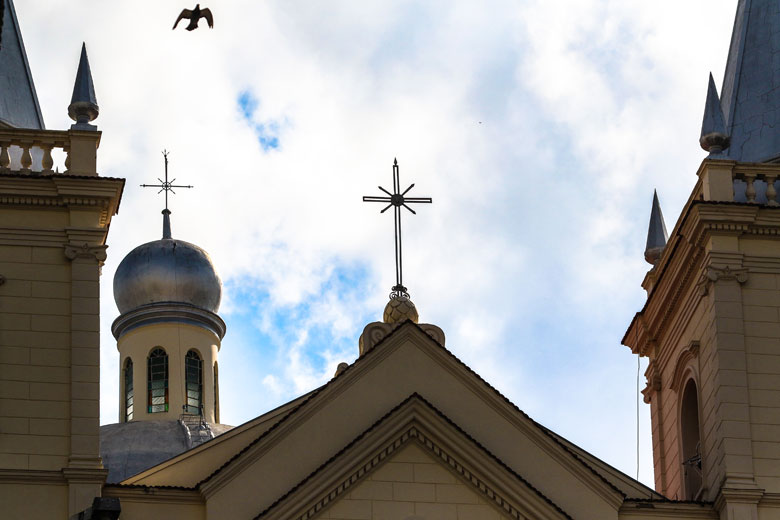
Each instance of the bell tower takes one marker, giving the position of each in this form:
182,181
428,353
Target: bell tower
711,323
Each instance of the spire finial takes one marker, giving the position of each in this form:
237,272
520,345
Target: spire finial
714,138
83,104
656,233
166,186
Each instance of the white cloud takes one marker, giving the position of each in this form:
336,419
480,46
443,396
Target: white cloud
530,257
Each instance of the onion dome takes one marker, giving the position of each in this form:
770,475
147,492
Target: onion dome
161,279
400,308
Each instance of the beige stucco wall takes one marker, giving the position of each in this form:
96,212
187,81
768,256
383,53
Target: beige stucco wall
176,339
51,249
412,485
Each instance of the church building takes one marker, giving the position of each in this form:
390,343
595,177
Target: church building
407,431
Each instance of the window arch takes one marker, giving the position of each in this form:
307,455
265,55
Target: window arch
157,377
128,379
193,374
690,441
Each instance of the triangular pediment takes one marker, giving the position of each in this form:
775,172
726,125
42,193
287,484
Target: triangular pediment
406,362
414,462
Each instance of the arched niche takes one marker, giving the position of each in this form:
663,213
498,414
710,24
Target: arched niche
690,441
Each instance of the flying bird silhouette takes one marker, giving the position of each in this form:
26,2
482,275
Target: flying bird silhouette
195,15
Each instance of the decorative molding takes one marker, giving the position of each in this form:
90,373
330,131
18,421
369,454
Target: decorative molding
715,274
168,312
31,476
376,331
653,386
85,250
412,434
684,359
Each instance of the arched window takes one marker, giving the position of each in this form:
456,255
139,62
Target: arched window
128,377
193,374
157,365
216,392
691,441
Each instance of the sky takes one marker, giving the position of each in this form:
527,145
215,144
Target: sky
539,127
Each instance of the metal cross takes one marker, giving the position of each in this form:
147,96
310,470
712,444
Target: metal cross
165,185
398,200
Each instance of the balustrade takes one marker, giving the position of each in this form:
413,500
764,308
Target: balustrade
32,152
757,185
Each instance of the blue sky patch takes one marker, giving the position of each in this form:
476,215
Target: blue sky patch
267,131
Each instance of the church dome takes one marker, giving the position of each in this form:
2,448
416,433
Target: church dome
167,270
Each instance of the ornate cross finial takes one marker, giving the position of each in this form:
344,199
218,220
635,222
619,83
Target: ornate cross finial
165,185
398,200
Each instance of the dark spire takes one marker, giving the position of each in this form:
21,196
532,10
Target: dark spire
83,104
713,128
656,233
750,96
18,100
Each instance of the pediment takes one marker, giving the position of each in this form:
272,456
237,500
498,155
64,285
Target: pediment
406,362
411,462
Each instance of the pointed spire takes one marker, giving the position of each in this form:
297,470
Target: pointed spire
18,101
166,223
656,233
83,104
714,138
750,96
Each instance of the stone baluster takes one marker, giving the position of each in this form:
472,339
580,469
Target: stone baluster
47,162
5,158
67,158
750,191
26,157
771,192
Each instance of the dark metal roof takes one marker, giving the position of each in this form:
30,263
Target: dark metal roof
18,100
750,96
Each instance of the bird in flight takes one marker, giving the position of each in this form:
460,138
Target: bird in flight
195,15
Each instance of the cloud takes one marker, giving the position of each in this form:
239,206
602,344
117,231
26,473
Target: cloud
284,115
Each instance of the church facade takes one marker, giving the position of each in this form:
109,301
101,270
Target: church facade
407,431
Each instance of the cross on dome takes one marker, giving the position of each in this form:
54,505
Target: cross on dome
166,186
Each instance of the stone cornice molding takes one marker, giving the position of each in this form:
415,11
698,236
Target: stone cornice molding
31,476
155,495
668,510
168,312
85,475
738,495
58,190
684,256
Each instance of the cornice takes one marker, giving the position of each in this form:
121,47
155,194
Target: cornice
53,191
153,494
669,509
31,476
168,312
